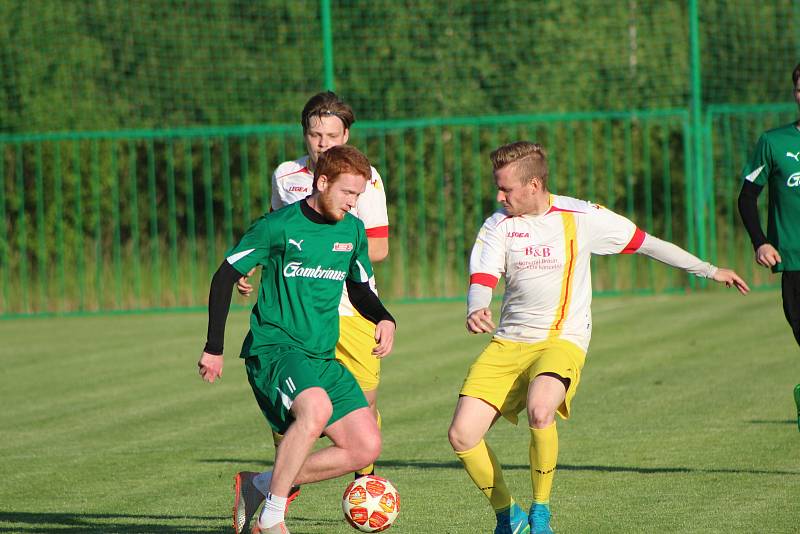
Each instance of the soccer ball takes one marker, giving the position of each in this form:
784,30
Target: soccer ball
370,504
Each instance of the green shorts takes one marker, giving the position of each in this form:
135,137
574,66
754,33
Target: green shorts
278,377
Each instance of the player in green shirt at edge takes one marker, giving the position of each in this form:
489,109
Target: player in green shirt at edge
308,251
776,163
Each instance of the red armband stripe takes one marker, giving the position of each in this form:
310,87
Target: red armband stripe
378,231
484,279
635,242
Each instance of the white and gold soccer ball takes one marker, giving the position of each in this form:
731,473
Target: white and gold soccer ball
371,504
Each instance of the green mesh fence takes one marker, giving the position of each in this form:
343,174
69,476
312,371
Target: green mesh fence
99,65
150,175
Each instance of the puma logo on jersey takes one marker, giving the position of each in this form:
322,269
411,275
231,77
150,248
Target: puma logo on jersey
298,244
796,156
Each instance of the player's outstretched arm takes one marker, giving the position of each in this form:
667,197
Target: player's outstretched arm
675,256
731,279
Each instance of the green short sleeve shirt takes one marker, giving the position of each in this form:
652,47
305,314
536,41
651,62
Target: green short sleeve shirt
776,164
304,267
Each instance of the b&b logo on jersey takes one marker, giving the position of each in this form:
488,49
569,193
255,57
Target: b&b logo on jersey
342,247
538,251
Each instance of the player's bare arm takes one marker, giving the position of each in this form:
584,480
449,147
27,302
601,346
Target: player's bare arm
384,337
243,285
731,279
378,248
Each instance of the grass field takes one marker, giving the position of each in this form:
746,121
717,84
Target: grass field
683,423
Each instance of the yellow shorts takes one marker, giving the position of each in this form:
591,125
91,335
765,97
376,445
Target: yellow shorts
354,350
503,371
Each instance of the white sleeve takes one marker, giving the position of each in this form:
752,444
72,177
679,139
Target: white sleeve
488,259
277,202
610,232
675,256
478,297
371,207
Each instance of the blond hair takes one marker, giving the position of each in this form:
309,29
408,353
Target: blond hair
529,158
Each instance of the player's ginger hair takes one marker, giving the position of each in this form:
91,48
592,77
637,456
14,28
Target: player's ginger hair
529,158
339,160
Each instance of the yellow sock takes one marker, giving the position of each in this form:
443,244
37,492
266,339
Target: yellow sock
484,470
543,454
371,467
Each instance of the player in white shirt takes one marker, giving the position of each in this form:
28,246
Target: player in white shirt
326,122
541,243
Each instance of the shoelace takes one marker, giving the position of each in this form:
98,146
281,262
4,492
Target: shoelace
541,518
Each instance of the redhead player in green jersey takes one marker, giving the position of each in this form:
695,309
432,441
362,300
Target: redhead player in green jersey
776,164
326,121
541,244
307,251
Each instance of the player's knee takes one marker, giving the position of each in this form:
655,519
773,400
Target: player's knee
540,416
313,409
460,440
367,450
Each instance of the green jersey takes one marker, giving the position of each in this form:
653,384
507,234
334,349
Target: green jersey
776,162
304,267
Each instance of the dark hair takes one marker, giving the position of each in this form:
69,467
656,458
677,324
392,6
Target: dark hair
327,104
796,74
341,159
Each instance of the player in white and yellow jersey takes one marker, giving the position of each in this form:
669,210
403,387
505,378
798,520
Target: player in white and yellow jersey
326,122
541,243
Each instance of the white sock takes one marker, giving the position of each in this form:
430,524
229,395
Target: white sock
262,481
272,514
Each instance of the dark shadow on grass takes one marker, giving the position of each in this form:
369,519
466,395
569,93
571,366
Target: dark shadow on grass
773,422
511,467
237,461
599,468
53,523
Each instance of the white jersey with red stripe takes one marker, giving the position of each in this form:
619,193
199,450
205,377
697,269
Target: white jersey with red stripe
293,181
545,262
